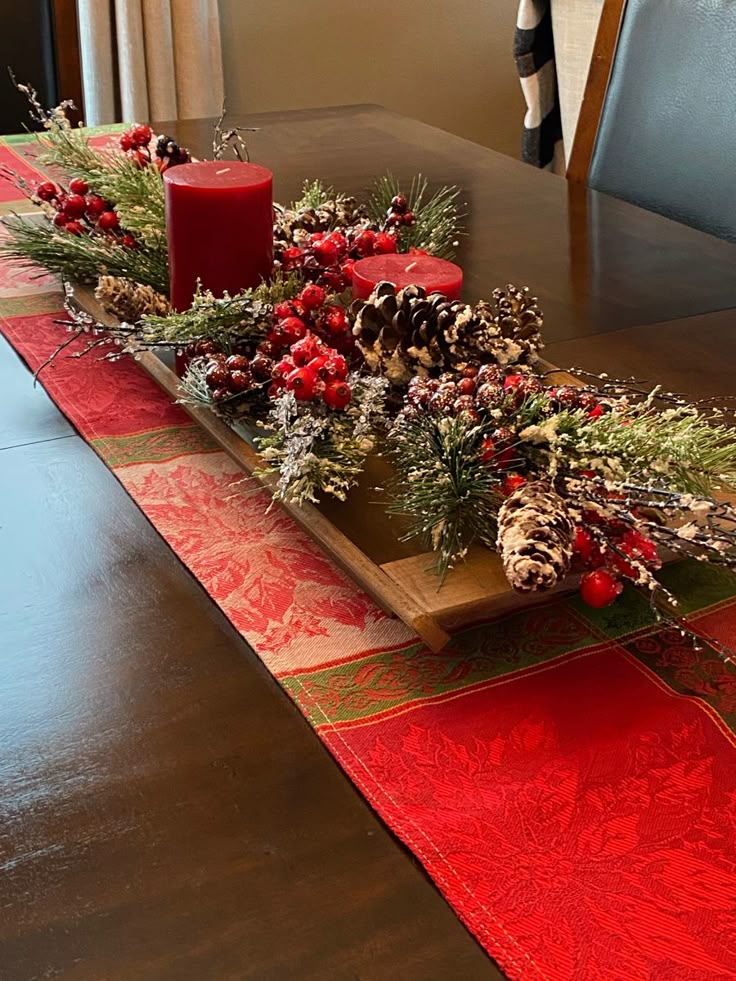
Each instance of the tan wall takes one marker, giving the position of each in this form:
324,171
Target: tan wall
446,62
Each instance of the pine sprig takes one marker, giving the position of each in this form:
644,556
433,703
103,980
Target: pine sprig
311,450
224,320
443,484
82,258
438,219
314,195
676,447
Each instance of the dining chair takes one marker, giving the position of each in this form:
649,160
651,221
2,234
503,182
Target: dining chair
658,122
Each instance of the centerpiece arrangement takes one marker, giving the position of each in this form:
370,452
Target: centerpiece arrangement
333,331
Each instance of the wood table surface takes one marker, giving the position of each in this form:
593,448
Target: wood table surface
165,811
596,263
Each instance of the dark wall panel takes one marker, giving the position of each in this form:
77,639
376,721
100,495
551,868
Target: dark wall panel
27,46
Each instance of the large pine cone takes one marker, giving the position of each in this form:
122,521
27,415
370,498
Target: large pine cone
407,332
129,301
535,538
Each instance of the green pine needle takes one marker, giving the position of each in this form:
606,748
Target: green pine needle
438,219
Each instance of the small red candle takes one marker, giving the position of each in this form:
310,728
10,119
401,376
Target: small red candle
410,269
219,226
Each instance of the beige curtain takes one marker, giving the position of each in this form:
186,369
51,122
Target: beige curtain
146,60
575,25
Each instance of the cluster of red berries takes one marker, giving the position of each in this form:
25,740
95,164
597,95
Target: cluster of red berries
313,370
78,211
328,257
307,313
399,214
475,391
135,144
600,587
571,398
228,376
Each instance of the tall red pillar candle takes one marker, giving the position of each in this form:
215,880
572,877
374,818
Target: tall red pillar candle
410,269
219,227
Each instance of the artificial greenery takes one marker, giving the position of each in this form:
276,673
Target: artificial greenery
311,450
443,484
438,219
82,258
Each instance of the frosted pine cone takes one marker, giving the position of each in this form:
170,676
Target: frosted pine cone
406,332
535,538
129,301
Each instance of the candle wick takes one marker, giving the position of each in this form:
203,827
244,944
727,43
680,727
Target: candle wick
412,265
225,170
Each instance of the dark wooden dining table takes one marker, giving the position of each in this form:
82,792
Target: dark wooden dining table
165,812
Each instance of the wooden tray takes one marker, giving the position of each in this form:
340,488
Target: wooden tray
366,542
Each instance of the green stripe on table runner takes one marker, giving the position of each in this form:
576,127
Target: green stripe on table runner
154,446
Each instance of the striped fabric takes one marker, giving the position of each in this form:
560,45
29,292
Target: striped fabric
534,52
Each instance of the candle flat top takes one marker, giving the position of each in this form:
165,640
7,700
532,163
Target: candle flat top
407,269
218,174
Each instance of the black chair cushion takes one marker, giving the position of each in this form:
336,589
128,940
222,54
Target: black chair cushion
667,136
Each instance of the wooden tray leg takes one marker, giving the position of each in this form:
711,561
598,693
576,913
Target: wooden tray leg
430,632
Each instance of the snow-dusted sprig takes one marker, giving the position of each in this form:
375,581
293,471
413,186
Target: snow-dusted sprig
312,450
676,447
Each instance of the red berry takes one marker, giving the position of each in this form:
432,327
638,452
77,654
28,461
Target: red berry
292,258
75,205
283,310
334,368
261,366
303,351
399,203
586,546
240,381
487,450
334,280
466,386
313,296
47,191
108,221
511,483
514,381
220,394
141,135
365,242
78,186
293,329
409,218
346,270
237,362
302,382
336,320
506,458
339,241
316,364
385,243
126,142
129,242
596,412
337,394
60,219
95,205
325,252
75,227
599,588
216,375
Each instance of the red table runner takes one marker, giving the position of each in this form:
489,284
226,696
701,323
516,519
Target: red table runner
567,776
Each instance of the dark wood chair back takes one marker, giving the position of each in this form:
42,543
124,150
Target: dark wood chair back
658,122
